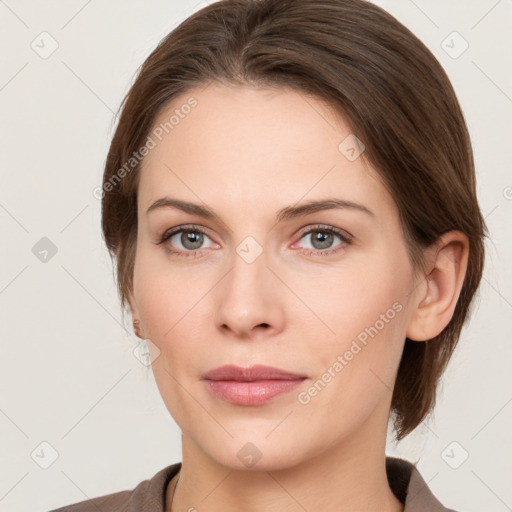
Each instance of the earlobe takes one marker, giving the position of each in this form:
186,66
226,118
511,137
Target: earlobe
135,317
437,298
137,330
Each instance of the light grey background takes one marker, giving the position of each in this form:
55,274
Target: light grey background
68,376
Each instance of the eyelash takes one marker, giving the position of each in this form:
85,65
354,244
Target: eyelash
345,238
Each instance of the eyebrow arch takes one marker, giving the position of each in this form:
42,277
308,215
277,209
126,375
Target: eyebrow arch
287,213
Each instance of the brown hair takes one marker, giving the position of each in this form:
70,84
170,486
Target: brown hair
373,71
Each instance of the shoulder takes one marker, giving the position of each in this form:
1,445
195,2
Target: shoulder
147,495
408,485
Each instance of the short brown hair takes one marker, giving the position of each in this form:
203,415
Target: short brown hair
385,83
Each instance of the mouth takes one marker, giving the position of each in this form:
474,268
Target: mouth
251,386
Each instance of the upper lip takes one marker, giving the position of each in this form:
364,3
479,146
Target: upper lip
250,374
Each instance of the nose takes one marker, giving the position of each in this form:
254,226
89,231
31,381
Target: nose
249,301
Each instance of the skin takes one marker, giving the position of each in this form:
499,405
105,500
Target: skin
246,153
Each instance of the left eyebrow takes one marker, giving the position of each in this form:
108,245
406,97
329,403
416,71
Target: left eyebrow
291,212
287,213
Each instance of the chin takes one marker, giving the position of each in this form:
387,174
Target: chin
257,453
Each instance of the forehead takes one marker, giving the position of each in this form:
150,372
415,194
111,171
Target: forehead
283,121
249,145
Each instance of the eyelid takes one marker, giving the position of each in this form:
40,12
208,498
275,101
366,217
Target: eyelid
345,237
182,227
302,232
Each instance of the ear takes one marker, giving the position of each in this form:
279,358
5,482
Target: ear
139,332
437,295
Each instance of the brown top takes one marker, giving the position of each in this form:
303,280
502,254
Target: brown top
149,496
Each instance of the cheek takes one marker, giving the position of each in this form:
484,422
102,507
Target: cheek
356,367
169,302
351,298
157,294
364,308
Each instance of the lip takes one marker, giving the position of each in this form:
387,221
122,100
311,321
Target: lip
252,386
250,374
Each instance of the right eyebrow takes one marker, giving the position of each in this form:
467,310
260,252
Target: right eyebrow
185,206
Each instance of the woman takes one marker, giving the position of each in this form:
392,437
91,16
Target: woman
290,201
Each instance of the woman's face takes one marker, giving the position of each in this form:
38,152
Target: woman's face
321,292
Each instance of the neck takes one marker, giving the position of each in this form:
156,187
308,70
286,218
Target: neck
347,477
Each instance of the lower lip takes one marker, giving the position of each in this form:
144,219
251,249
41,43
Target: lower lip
251,393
